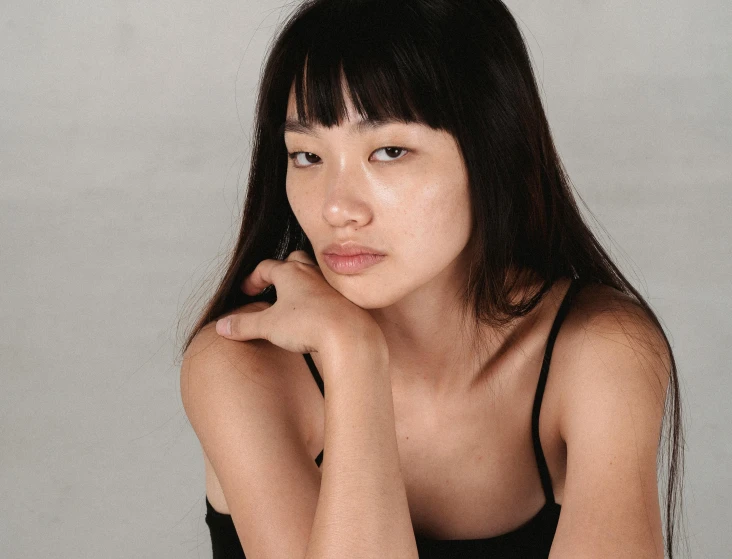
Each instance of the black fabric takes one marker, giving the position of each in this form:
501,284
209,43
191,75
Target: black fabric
314,371
531,540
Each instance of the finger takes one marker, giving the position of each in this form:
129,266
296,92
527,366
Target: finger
300,256
253,283
261,277
222,326
241,326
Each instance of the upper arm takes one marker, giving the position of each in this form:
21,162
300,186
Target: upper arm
617,373
236,402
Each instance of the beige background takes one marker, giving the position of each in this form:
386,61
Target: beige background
124,142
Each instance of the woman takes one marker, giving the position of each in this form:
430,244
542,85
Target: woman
410,231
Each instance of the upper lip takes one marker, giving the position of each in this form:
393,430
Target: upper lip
349,249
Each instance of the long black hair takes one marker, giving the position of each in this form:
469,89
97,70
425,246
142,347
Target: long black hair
456,65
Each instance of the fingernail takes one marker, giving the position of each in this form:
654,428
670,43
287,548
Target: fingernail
223,326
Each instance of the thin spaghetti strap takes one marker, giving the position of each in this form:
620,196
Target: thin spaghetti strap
321,386
546,481
315,373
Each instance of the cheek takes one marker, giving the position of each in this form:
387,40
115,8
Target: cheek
291,198
298,200
438,223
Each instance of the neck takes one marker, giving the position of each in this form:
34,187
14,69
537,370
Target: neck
432,347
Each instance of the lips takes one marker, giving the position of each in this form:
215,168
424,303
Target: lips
350,249
348,265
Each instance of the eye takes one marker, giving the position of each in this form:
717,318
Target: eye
295,154
309,157
392,149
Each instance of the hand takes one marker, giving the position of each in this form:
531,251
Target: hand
307,309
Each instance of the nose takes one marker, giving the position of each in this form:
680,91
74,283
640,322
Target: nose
346,197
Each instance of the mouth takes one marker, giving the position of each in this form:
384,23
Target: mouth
351,264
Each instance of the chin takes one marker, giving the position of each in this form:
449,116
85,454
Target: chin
366,298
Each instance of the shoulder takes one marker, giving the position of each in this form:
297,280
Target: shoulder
208,348
614,368
238,398
217,372
612,348
215,358
612,358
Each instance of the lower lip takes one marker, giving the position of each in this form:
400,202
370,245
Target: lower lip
351,264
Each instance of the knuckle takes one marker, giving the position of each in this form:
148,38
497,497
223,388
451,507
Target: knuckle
275,272
234,324
300,266
299,256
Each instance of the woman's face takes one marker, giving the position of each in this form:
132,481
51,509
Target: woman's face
410,204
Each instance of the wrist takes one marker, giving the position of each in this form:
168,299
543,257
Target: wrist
354,342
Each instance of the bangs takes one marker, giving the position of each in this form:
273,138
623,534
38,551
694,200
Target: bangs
379,54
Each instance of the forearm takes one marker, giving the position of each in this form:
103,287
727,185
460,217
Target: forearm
362,509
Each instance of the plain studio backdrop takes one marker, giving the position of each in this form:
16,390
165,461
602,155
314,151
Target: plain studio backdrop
125,131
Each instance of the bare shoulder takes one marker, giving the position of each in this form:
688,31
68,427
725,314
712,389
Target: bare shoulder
232,370
610,350
254,361
614,321
242,403
613,368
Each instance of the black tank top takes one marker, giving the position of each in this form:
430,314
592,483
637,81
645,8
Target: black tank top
531,540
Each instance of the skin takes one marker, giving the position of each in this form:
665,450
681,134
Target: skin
412,205
461,419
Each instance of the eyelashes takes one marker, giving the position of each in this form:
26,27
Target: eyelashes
294,155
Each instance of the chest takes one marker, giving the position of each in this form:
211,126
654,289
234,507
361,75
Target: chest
469,467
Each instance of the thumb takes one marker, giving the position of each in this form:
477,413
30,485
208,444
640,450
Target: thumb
244,323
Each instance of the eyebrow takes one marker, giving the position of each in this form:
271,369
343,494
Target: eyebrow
359,127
